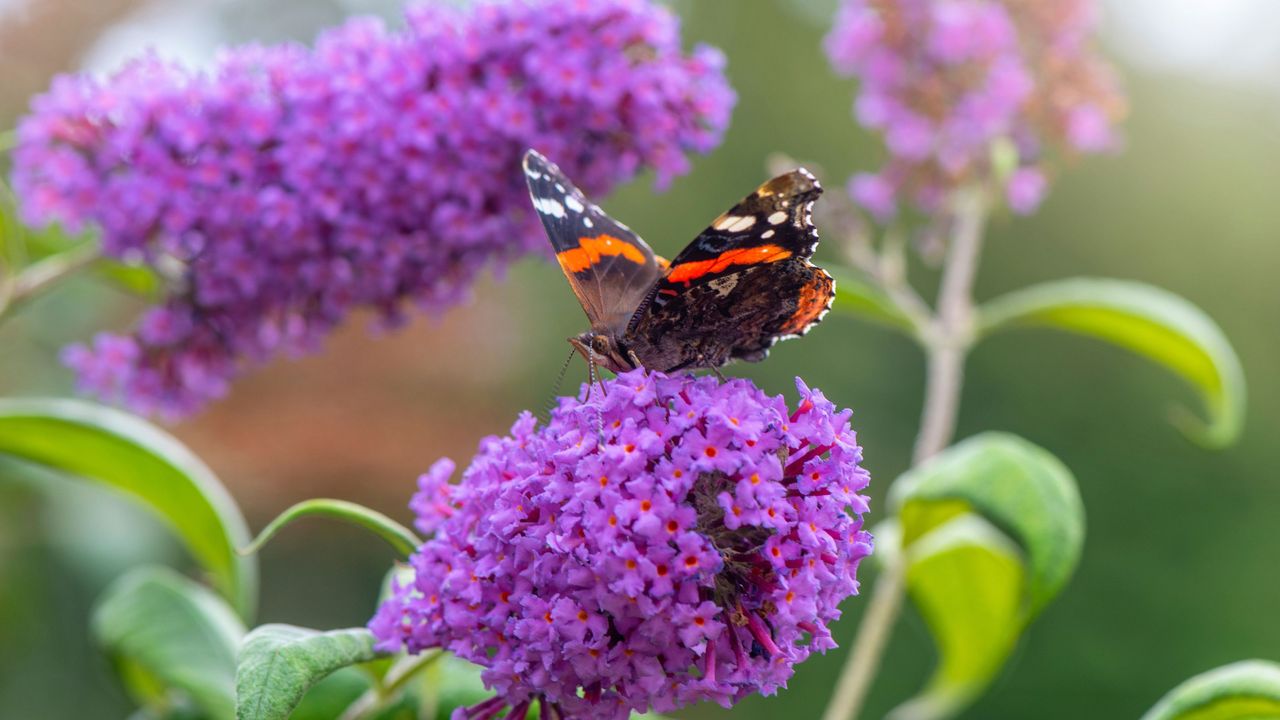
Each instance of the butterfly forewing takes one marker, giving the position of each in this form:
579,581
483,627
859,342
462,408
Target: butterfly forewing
610,268
770,225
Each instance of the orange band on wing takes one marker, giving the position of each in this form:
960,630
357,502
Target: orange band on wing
689,271
591,249
814,300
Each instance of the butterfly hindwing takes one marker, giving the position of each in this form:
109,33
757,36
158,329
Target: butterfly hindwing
610,268
744,283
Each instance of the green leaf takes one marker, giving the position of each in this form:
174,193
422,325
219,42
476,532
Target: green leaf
1018,487
859,298
990,530
169,633
131,455
137,280
396,535
1150,322
967,580
1246,690
278,663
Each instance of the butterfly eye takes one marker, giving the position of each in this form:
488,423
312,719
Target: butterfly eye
600,344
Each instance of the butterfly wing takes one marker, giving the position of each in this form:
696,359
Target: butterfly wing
743,284
609,267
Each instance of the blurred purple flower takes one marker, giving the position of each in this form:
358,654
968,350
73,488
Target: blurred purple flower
669,541
288,186
945,80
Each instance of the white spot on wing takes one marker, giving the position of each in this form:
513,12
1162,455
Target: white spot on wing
766,234
587,221
572,203
724,222
547,206
777,218
741,224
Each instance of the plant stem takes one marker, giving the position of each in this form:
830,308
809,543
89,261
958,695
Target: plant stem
873,635
946,343
952,331
41,276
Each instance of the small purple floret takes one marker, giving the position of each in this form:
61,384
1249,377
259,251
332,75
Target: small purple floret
696,550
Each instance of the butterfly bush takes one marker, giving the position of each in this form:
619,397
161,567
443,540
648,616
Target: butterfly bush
669,540
944,80
287,186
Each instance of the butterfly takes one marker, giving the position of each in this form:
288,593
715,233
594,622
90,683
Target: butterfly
741,286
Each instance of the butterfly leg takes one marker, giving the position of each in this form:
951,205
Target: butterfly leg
635,359
702,362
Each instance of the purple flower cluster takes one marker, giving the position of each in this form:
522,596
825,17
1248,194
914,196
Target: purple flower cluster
946,80
673,540
287,186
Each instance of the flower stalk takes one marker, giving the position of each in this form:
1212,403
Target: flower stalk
43,276
947,340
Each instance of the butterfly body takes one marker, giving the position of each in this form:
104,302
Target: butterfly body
743,284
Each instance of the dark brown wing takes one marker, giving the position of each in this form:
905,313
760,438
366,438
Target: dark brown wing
609,267
734,317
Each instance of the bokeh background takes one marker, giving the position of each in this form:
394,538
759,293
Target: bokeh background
1181,569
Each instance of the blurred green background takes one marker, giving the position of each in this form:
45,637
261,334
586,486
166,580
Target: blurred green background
1181,570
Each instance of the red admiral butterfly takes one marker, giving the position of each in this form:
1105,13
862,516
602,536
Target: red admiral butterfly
742,285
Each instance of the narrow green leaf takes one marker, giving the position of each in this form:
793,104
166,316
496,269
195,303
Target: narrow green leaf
1246,690
396,535
133,456
137,280
278,663
967,579
170,632
859,298
1146,320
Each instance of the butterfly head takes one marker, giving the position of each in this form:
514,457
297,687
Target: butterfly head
604,350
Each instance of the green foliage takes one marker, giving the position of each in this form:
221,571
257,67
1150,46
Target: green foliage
133,456
1146,320
1246,690
989,531
279,663
1020,488
396,535
169,634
